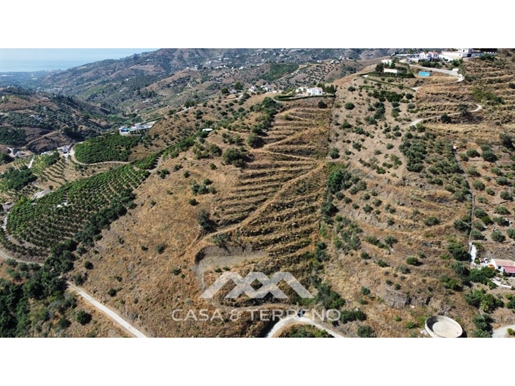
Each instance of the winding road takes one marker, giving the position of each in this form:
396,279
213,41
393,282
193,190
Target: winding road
293,320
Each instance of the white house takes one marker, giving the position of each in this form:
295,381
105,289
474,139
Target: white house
507,266
314,91
461,53
432,55
387,62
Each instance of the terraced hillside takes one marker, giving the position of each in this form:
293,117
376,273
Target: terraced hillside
274,207
36,226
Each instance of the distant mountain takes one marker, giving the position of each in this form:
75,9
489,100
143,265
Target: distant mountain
42,121
168,77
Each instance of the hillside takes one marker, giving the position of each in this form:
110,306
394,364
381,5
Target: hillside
169,77
368,197
40,122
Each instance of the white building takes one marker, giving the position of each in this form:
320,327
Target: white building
462,53
432,55
315,91
507,266
395,71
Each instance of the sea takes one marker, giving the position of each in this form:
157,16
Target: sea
51,59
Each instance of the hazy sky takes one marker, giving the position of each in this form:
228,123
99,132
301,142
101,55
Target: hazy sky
37,59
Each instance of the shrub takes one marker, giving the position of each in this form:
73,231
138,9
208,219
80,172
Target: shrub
83,317
88,264
489,156
412,260
160,248
430,221
498,236
234,157
334,153
458,251
472,153
111,292
505,195
365,331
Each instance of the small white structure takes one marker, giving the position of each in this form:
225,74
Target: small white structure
315,91
395,71
387,62
501,265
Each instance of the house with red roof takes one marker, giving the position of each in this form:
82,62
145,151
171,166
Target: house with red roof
502,265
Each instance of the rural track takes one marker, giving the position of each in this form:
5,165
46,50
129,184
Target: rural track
122,323
296,320
107,311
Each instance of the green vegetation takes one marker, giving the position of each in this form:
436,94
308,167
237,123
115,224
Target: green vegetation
365,331
236,157
109,147
12,137
35,298
16,179
78,210
277,70
305,332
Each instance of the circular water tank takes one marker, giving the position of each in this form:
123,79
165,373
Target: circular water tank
443,327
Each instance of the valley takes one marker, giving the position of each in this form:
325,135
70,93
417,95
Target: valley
370,192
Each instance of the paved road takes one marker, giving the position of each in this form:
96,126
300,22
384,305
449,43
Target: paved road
501,332
111,314
291,320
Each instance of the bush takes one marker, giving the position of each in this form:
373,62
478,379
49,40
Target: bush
83,317
334,153
489,156
349,106
458,251
234,157
88,264
254,140
430,221
412,261
111,292
505,195
498,236
205,222
472,153
160,248
365,331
